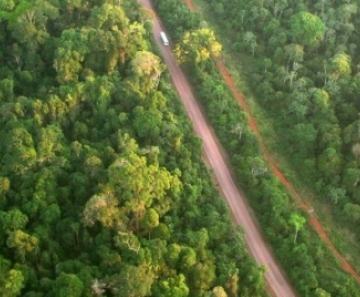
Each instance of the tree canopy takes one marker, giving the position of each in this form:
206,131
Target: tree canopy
102,187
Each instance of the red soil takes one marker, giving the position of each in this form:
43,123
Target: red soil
314,222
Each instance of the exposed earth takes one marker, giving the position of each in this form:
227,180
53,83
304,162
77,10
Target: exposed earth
216,159
314,222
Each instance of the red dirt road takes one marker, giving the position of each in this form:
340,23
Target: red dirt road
314,222
275,280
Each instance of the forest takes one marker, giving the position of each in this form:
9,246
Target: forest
307,77
103,191
303,72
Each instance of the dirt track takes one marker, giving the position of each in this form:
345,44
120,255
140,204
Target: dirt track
314,222
256,244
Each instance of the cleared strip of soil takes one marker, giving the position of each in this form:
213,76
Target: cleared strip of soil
278,285
314,221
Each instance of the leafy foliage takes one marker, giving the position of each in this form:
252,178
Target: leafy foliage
307,84
102,186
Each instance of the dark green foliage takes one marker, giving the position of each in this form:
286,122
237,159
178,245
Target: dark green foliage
308,84
102,186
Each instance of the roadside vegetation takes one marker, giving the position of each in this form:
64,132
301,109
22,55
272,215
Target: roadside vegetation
102,187
305,79
308,91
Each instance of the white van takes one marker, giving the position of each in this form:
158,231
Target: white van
164,38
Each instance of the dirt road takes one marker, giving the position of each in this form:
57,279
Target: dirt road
314,222
256,244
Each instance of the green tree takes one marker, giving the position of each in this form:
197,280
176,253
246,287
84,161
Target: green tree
340,65
335,194
298,222
103,208
70,54
219,292
188,258
147,122
135,281
11,285
197,46
68,285
352,212
147,68
307,28
13,219
171,287
20,153
22,242
321,293
150,219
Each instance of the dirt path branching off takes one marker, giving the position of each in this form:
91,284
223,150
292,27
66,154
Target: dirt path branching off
277,283
314,221
275,280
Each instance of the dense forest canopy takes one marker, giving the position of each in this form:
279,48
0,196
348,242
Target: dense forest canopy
281,43
307,77
102,187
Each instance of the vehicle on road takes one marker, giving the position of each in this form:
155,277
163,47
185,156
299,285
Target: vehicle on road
164,38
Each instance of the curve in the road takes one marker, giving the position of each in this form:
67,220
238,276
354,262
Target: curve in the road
314,221
275,280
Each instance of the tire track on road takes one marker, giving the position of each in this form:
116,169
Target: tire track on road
256,244
314,221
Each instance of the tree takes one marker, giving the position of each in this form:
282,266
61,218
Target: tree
13,219
340,65
52,214
294,52
188,258
70,54
352,212
49,143
197,46
147,122
307,28
68,285
298,222
329,162
172,287
355,149
219,292
22,242
93,166
139,185
135,281
321,293
202,276
232,284
98,288
20,153
103,208
335,194
147,68
150,219
4,187
173,254
12,284
249,38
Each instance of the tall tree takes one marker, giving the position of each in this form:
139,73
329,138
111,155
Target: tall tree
307,28
298,222
197,46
